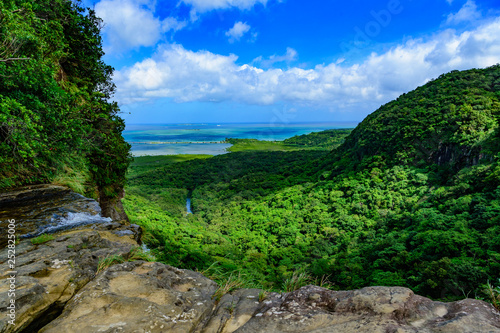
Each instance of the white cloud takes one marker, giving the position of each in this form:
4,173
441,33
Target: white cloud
467,13
202,6
289,56
171,23
237,31
130,24
185,76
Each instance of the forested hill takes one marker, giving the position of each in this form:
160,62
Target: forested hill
411,198
56,122
451,122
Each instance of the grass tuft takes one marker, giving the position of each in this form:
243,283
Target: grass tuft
138,253
262,295
43,238
231,283
296,281
493,293
227,281
108,262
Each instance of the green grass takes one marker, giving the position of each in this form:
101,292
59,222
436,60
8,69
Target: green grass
227,281
43,238
137,253
296,281
109,261
257,145
164,159
144,163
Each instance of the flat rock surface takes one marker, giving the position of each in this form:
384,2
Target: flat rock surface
371,309
138,297
49,274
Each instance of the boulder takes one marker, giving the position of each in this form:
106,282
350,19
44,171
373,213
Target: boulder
138,297
232,312
60,290
370,310
48,275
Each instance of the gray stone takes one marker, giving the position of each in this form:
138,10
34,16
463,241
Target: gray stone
138,297
48,275
371,309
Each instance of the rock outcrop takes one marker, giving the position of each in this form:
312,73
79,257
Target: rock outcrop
370,310
62,286
45,209
138,297
49,275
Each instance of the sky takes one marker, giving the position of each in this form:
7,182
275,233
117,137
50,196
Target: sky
232,61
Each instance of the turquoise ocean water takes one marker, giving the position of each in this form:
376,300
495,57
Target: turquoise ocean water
171,139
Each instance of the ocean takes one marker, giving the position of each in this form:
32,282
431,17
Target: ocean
173,139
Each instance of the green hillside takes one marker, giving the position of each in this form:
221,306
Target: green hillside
57,124
411,198
449,122
329,139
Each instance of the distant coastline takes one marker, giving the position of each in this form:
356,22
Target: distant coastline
205,138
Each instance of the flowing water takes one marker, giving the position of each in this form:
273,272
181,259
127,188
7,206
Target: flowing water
188,206
46,209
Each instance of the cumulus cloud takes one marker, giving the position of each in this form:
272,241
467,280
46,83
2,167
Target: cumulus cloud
467,13
131,23
185,75
237,31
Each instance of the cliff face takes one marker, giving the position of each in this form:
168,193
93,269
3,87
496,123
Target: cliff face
63,286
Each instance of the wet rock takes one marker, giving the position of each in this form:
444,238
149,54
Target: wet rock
45,209
121,233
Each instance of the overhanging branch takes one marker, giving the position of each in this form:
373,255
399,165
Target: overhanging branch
14,59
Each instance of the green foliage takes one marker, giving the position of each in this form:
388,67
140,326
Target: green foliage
493,294
297,280
325,140
56,123
329,139
108,262
43,238
411,198
138,253
256,145
445,122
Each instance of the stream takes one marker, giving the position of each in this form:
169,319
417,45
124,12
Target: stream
188,206
42,209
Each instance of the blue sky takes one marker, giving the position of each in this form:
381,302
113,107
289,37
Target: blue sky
194,61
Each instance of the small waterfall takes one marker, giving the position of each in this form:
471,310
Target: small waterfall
71,220
188,206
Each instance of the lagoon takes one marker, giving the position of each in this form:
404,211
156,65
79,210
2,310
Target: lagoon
173,139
